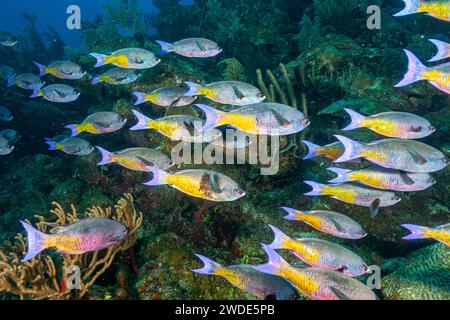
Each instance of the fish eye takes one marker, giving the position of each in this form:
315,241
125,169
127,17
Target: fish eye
364,268
431,180
432,129
306,122
239,192
260,95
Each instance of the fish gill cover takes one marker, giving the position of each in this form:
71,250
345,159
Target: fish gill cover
209,116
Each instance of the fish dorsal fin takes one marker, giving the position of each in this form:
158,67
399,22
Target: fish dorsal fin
238,93
417,157
340,294
337,225
375,207
406,178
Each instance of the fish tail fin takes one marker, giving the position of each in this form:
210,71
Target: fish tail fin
417,232
36,91
101,59
356,120
275,264
442,50
106,156
415,70
74,129
42,69
9,80
411,6
312,150
352,149
51,143
166,47
194,89
140,98
36,241
212,116
292,214
342,175
209,266
317,188
143,121
280,238
159,177
96,79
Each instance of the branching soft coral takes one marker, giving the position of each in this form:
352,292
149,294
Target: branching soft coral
39,278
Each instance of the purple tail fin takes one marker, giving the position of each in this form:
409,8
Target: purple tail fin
95,79
36,241
100,59
352,149
51,143
159,177
415,70
140,98
165,47
356,120
312,150
275,264
74,129
42,68
280,238
342,175
143,121
443,50
317,188
36,91
210,267
292,214
416,232
411,7
106,157
194,89
212,116
10,79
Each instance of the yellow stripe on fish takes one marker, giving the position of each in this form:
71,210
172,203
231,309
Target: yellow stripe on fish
301,280
439,9
309,254
437,76
86,127
343,194
70,244
382,126
442,235
120,60
236,278
186,184
168,128
246,123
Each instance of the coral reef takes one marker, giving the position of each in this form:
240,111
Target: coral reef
39,278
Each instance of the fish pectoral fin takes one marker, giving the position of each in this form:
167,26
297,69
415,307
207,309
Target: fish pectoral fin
102,124
200,46
375,207
138,61
190,128
341,268
341,295
406,179
238,93
281,120
175,102
337,225
67,73
415,129
417,157
146,162
211,182
60,93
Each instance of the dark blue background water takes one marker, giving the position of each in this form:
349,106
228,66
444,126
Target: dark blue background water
53,12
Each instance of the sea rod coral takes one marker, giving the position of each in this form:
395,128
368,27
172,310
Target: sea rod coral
39,278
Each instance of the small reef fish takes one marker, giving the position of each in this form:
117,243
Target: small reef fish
165,97
59,93
227,92
332,151
232,139
438,76
443,50
321,254
317,284
441,233
130,58
246,278
12,136
5,147
82,236
137,159
204,184
24,81
271,119
7,39
62,70
116,76
330,222
99,123
191,48
5,114
355,194
72,146
438,9
178,128
392,124
399,154
385,179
